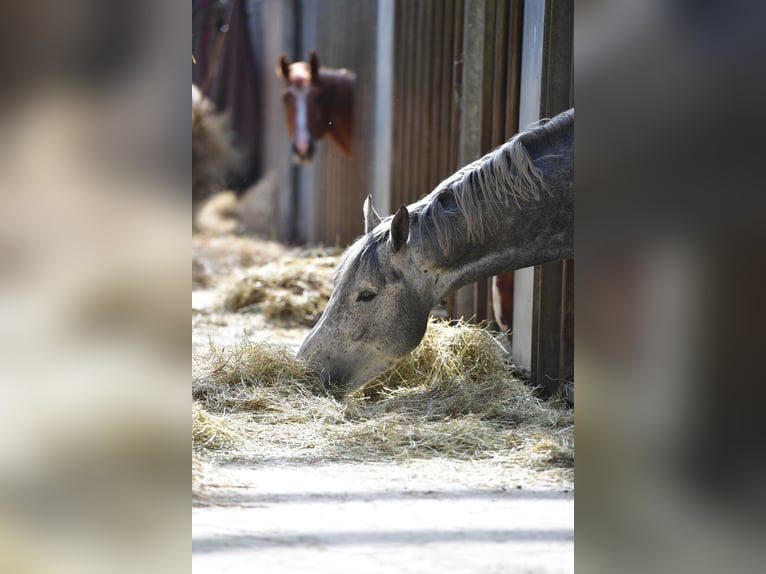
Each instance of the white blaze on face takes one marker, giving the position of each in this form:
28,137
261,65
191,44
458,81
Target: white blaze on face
302,136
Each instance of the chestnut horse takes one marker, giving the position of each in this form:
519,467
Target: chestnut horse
318,102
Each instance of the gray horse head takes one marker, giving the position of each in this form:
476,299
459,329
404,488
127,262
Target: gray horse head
512,208
379,307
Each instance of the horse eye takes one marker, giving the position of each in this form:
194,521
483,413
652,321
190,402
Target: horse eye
366,296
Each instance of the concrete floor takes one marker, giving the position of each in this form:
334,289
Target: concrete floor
426,516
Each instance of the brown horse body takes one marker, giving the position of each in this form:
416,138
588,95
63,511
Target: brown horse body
319,102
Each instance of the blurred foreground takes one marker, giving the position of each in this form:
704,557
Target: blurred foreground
94,268
670,247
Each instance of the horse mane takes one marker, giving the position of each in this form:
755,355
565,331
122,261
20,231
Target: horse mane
476,196
470,203
339,85
340,82
362,253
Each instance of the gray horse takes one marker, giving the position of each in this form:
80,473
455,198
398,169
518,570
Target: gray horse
512,208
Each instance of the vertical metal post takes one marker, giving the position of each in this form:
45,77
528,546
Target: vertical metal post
529,111
380,180
469,147
286,171
542,335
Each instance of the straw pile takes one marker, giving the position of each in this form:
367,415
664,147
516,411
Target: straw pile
218,215
216,257
213,154
453,397
292,290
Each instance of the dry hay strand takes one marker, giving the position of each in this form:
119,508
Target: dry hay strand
293,290
452,398
213,437
213,432
399,436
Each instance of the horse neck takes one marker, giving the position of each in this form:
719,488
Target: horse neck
340,95
517,233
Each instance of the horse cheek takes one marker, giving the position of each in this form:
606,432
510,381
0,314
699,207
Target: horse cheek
317,125
290,118
291,124
410,331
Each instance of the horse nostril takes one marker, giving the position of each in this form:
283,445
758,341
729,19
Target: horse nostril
359,334
303,157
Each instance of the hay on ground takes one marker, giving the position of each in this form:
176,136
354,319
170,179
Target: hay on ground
213,432
289,291
214,257
453,397
218,215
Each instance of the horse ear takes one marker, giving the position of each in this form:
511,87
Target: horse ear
371,217
314,62
283,68
400,228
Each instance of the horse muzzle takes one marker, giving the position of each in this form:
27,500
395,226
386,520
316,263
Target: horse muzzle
304,153
341,372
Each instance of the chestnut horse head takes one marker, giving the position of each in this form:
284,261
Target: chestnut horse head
318,102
